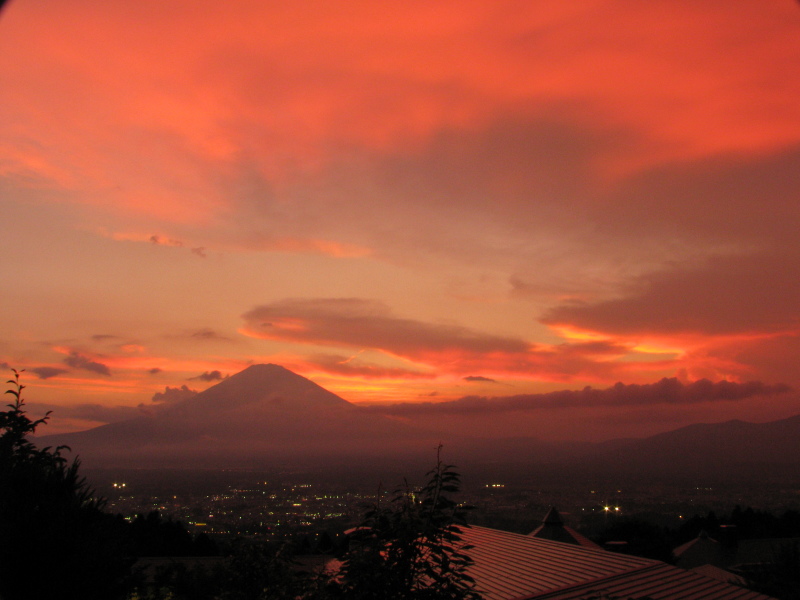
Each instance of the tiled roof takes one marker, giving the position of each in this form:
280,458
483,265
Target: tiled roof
510,566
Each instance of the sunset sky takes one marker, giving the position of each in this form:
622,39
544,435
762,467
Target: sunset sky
406,202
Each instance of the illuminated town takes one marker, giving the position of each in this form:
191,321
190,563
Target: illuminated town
273,509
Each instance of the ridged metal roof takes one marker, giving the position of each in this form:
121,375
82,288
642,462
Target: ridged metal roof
659,582
509,566
718,574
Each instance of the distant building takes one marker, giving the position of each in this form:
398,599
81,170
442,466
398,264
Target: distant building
553,528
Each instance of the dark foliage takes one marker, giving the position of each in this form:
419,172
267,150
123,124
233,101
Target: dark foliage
780,577
152,535
261,572
743,524
56,540
251,571
777,576
179,580
410,549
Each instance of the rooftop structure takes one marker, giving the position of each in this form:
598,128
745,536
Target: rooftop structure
702,550
553,528
511,566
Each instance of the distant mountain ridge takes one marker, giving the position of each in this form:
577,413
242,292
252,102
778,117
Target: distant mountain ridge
718,448
268,415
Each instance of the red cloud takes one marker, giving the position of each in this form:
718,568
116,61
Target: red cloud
358,323
444,348
371,77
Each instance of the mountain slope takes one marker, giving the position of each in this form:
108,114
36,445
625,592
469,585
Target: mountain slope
260,384
266,413
710,449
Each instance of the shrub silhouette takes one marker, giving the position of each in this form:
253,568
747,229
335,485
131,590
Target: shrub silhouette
411,549
56,540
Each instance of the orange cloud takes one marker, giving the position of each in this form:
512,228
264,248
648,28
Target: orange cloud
356,322
343,366
330,248
435,348
711,311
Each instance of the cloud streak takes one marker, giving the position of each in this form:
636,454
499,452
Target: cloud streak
431,348
208,334
94,412
727,295
48,372
79,361
667,391
173,394
214,375
343,365
360,323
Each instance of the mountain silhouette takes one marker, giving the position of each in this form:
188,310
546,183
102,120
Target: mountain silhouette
730,449
261,416
267,415
268,384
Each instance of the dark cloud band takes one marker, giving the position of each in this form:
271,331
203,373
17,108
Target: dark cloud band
666,391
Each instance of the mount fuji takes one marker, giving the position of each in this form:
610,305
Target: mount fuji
262,416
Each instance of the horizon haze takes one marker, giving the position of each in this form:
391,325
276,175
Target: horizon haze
267,417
